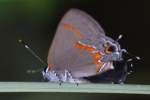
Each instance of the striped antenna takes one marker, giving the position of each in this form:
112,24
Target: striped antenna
32,52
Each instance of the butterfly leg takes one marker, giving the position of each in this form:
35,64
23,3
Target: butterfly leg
123,74
69,78
51,76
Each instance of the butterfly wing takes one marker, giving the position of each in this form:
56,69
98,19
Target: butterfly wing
75,26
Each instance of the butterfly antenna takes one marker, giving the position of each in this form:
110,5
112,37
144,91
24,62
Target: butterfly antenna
125,51
119,37
133,57
33,53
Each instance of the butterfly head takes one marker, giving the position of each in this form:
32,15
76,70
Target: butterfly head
111,50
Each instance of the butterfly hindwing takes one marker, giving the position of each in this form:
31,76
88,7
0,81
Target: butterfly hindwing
76,26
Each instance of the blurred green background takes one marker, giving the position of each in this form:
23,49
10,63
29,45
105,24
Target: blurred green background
35,21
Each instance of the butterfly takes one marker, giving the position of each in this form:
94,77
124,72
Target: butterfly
82,53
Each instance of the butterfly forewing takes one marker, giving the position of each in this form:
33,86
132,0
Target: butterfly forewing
75,26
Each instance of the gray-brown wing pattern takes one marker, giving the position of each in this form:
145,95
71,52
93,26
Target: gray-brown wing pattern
75,26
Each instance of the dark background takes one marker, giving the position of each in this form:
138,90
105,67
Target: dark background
35,21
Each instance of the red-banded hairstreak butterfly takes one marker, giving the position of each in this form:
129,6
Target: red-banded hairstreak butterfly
82,53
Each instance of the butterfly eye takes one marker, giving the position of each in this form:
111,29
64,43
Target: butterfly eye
112,48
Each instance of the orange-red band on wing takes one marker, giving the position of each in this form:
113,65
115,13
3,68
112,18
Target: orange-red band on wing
50,66
95,56
73,29
84,47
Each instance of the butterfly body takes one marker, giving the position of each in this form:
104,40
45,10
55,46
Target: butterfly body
80,49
